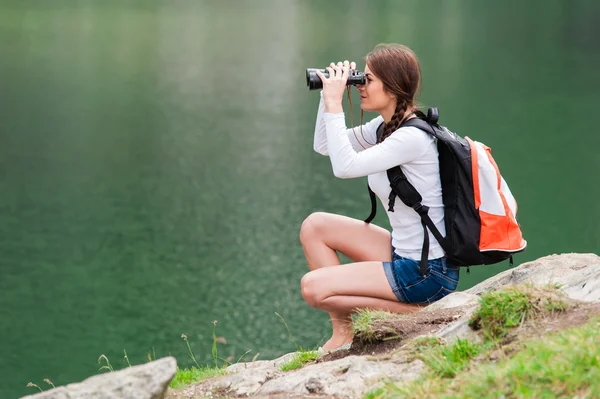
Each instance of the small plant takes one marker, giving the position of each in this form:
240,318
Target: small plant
108,366
288,329
419,345
447,361
46,380
199,373
187,376
31,384
126,359
151,356
500,311
299,359
364,321
191,354
301,356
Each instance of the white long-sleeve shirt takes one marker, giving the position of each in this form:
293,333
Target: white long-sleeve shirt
355,155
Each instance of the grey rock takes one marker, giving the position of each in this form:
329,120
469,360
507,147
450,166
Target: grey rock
147,381
454,300
459,329
349,377
578,275
314,385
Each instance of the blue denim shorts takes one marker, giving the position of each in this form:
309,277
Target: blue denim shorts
410,286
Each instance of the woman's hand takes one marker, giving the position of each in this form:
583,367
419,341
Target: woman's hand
335,85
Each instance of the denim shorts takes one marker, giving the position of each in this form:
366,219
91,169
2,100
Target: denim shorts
410,286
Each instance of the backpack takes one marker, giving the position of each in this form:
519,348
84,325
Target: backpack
479,209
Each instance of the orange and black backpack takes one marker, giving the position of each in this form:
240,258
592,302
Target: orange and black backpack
479,209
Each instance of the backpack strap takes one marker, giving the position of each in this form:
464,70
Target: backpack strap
408,194
420,124
379,131
373,205
371,193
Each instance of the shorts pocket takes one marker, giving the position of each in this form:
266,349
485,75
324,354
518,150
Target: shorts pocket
442,292
444,277
424,290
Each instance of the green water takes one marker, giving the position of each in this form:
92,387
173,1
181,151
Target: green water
156,160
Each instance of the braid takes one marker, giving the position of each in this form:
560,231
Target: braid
394,123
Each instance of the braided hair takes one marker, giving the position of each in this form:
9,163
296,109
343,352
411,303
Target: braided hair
398,69
396,120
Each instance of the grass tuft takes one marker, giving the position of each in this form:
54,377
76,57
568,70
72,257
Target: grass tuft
31,384
300,358
500,311
415,347
187,376
447,361
363,323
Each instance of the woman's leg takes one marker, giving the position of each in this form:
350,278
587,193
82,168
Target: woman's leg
324,233
361,285
344,289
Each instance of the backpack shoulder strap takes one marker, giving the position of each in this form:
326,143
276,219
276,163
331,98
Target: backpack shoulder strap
427,123
420,124
379,131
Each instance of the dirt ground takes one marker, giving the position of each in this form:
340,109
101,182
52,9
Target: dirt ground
421,323
394,333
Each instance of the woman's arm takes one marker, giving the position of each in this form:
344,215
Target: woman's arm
404,145
359,140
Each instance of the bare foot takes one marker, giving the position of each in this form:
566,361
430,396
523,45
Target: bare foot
336,341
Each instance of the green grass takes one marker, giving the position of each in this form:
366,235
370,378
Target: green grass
363,324
566,364
499,311
300,358
416,347
560,365
447,361
187,376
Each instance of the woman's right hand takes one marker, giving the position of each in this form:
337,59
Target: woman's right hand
335,84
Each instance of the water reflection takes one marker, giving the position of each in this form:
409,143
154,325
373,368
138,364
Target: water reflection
157,160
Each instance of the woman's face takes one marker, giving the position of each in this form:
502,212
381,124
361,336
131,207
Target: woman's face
373,97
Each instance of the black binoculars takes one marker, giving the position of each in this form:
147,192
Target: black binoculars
314,82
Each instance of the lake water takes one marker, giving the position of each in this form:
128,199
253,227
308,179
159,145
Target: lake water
156,161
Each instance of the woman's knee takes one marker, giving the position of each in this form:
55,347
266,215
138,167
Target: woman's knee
313,226
309,285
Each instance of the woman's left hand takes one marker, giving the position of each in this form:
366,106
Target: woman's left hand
335,85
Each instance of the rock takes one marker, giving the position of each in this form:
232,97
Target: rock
147,381
344,378
578,275
314,385
459,329
454,300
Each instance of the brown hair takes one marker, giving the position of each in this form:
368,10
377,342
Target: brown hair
398,69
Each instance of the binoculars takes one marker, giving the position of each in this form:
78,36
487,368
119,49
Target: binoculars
314,82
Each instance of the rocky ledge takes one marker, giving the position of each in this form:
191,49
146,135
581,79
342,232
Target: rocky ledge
368,364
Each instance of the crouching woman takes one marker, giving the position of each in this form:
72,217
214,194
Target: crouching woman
385,274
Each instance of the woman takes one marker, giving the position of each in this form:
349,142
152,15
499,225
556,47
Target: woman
385,275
